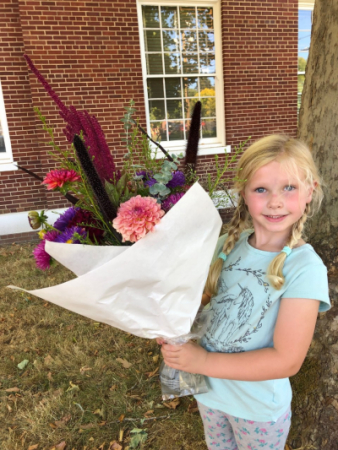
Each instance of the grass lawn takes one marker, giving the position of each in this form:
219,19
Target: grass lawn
86,385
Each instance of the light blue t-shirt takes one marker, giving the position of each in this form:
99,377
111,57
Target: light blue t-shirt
243,318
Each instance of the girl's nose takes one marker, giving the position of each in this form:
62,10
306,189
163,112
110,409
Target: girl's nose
275,201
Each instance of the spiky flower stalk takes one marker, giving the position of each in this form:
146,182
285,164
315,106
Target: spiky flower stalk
106,207
81,121
190,161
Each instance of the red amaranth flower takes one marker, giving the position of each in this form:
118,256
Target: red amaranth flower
57,178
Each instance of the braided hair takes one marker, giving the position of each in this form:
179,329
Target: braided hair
297,159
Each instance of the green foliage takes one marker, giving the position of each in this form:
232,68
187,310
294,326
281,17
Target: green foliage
213,183
138,437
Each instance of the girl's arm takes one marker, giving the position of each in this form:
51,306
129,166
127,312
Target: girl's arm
292,338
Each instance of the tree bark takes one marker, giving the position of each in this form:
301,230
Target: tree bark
318,125
315,404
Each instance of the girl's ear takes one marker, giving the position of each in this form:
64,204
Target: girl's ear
242,193
310,191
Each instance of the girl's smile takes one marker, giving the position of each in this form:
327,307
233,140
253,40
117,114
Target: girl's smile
275,200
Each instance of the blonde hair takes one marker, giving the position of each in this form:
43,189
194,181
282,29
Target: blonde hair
296,159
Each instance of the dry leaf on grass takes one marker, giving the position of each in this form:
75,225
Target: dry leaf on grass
173,404
124,363
114,446
13,389
84,369
193,408
48,360
87,426
121,418
73,387
149,413
33,447
49,376
151,374
60,446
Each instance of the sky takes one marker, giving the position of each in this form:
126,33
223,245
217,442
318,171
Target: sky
304,32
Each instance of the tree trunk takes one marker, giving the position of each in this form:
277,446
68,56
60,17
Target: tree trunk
315,424
318,124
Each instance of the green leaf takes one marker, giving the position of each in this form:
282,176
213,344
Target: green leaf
23,364
138,437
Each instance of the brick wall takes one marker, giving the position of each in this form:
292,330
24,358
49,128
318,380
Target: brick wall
89,52
18,192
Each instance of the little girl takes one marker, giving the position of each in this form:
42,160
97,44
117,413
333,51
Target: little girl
265,288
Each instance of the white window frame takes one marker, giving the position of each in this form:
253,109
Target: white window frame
6,158
205,148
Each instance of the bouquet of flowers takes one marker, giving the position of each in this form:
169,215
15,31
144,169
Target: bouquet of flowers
145,234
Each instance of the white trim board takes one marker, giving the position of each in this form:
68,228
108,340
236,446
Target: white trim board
15,223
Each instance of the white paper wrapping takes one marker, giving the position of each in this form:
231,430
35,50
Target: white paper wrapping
152,288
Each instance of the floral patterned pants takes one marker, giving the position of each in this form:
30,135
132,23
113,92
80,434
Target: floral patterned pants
225,432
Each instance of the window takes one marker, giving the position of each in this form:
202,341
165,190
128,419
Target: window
304,37
182,63
6,158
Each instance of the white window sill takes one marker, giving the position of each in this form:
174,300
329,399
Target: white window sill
7,166
203,150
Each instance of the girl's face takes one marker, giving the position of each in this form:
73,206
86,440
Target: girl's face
275,199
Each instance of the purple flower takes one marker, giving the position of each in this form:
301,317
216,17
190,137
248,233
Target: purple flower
150,182
42,258
169,202
177,180
67,237
147,177
62,222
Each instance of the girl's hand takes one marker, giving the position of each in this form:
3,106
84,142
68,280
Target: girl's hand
160,341
189,357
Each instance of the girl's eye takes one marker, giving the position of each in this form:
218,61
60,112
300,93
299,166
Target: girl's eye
289,188
260,190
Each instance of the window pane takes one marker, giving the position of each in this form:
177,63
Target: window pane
205,18
169,17
189,41
208,107
170,41
190,87
175,131
208,128
154,64
172,63
173,87
174,109
207,63
2,140
155,87
188,17
152,41
156,110
207,83
151,17
190,63
206,41
189,104
158,131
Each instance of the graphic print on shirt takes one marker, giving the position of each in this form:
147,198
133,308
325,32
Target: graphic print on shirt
230,325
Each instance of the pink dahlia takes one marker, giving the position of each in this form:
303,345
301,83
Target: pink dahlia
136,217
57,178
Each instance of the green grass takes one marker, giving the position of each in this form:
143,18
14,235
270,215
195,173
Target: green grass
73,389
